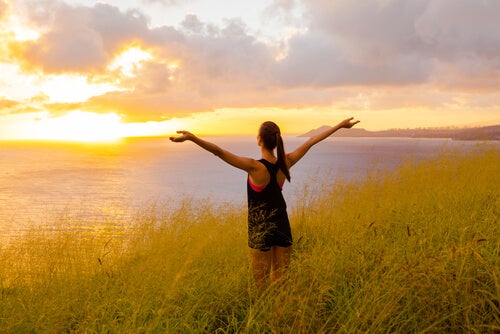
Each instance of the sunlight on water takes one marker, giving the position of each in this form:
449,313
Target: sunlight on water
41,182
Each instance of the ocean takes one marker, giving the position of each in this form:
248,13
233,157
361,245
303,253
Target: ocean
42,182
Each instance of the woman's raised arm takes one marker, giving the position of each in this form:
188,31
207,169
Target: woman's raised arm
246,164
293,157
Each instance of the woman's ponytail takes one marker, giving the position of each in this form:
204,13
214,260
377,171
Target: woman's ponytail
270,134
281,156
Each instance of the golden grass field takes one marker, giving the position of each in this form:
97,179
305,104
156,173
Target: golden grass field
414,250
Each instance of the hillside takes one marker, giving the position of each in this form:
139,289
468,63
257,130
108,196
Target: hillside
476,133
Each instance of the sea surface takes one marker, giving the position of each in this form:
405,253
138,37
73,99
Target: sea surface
43,182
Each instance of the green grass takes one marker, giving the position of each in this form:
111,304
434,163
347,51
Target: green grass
411,250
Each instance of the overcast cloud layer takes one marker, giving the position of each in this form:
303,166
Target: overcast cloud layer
445,47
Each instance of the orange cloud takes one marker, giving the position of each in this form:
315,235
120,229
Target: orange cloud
6,104
3,10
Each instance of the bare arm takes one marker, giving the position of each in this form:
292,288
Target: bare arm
246,164
293,157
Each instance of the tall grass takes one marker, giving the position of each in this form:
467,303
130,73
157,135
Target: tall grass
411,250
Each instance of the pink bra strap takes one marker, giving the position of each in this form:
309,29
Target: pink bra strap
254,187
257,188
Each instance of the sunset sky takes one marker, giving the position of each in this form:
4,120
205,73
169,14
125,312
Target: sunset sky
98,70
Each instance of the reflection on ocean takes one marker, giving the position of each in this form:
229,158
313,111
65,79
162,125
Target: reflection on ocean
41,183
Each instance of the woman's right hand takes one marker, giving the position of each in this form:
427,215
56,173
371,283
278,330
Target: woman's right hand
185,135
348,123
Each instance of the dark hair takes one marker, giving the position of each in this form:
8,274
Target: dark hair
270,135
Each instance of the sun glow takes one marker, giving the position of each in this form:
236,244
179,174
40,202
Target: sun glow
130,60
80,127
22,33
68,88
14,27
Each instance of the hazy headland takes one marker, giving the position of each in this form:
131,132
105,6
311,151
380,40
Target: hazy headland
456,133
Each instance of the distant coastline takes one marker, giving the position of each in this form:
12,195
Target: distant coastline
475,133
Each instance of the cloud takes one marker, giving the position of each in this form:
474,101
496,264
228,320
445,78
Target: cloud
460,28
397,41
6,104
317,60
140,107
229,55
463,38
285,11
193,24
368,31
166,2
81,39
12,107
451,45
153,78
3,9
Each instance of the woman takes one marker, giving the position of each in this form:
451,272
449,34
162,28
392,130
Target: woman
269,234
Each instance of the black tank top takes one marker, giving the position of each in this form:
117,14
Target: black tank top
271,197
268,223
